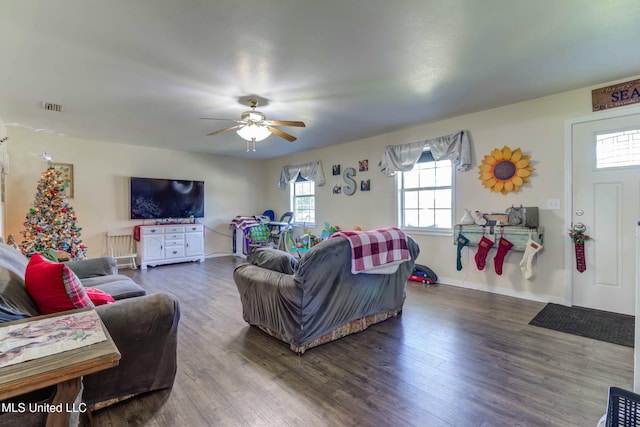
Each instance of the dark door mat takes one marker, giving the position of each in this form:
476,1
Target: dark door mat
586,322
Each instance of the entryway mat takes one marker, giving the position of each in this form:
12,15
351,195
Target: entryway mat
586,322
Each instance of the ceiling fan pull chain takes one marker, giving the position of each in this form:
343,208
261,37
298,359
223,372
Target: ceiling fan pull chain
251,144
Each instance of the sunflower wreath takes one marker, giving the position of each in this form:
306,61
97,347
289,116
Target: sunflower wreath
505,170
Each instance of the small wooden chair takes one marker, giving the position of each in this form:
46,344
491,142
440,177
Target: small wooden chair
122,247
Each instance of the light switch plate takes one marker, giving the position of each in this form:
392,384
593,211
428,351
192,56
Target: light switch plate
553,204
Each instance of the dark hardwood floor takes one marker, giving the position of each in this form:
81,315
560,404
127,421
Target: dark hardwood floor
455,357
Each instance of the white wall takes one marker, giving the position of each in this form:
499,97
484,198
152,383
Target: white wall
536,126
233,186
101,194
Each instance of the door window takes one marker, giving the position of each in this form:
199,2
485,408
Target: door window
618,149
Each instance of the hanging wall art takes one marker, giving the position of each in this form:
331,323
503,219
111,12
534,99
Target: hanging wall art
505,170
66,174
350,188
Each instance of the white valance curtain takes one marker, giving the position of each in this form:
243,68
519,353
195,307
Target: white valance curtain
401,158
311,171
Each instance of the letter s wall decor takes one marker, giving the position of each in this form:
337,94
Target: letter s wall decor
350,188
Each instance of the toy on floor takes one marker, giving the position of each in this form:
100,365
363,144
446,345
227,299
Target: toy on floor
420,279
423,274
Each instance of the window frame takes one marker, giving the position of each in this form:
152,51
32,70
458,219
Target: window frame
293,196
400,204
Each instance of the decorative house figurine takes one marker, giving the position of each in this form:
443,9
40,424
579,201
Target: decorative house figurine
479,218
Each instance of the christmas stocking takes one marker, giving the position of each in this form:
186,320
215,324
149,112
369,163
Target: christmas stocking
526,265
581,262
503,247
483,249
462,242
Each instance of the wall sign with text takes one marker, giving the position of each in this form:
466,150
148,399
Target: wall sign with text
616,95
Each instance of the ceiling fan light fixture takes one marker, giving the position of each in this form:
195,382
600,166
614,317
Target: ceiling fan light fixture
253,116
253,132
253,126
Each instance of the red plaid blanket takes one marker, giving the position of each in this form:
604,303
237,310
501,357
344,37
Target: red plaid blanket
244,222
374,249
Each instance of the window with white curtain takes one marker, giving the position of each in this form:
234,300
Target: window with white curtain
425,201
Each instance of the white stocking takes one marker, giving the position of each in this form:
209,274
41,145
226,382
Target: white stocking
526,265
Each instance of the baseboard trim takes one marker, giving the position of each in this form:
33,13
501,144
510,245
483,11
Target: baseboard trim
502,291
219,254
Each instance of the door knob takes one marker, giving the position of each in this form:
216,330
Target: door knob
579,227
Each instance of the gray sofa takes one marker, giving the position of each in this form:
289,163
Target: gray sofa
143,327
317,299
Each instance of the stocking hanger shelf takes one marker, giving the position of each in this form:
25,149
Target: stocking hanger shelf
517,235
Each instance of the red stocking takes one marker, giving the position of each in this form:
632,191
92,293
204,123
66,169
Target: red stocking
581,262
483,249
503,247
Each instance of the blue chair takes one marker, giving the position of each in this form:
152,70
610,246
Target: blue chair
269,214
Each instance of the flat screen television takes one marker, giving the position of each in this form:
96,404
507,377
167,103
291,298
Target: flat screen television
153,198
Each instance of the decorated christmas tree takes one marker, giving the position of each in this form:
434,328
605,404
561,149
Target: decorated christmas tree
51,222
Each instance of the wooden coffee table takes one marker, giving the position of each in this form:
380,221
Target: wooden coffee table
64,369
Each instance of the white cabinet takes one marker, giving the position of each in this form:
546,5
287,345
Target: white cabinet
153,247
167,244
193,241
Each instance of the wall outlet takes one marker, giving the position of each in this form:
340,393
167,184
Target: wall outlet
553,204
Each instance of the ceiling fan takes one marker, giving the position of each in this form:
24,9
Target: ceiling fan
253,126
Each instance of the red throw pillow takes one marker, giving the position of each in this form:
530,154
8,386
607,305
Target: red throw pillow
53,286
98,296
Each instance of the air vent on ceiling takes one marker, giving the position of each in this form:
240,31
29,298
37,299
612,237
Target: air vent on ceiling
52,107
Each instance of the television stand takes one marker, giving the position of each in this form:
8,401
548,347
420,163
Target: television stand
169,244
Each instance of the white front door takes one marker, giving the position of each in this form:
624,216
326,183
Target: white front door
607,201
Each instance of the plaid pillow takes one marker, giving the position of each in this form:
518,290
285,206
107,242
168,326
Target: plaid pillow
98,296
53,286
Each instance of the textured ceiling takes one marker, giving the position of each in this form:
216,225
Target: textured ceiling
143,72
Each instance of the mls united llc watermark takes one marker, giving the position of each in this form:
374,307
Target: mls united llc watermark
22,407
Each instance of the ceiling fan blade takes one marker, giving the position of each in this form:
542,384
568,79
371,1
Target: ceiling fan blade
284,123
226,120
223,130
282,134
